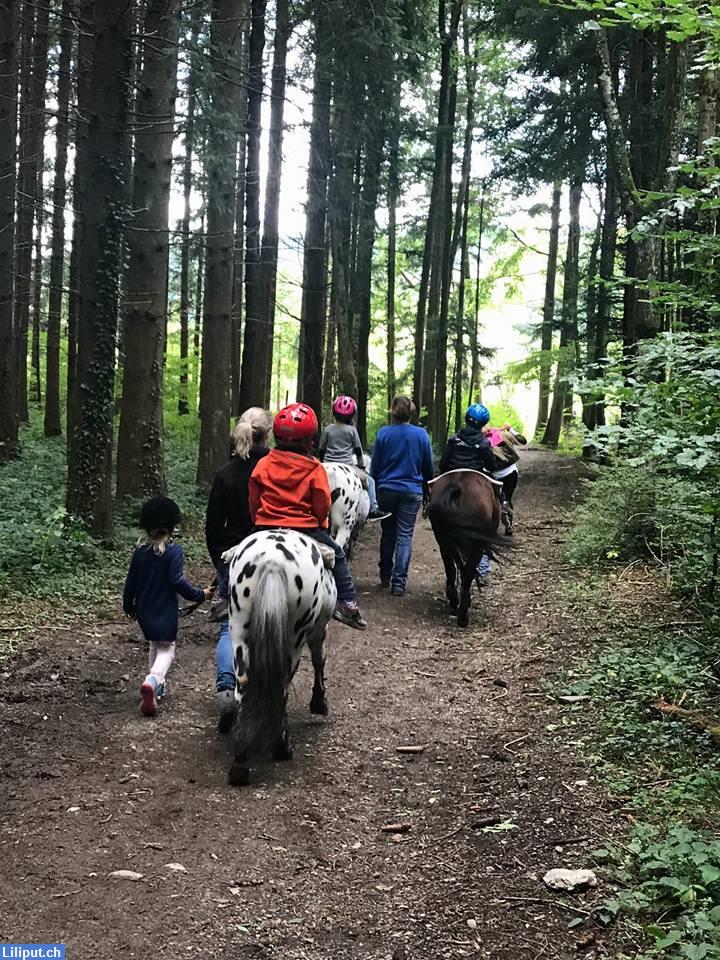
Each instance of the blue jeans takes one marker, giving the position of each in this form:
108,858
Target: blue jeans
224,667
372,494
397,534
223,573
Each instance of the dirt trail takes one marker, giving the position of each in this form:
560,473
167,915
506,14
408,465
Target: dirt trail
296,866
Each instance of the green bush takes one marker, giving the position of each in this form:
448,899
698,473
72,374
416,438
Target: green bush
45,553
633,512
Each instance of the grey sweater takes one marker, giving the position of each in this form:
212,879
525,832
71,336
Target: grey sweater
340,443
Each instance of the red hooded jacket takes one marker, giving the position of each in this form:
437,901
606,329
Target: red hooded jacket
289,489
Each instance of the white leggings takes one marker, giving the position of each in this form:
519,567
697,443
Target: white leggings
161,656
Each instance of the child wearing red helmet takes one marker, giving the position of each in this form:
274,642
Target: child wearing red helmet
289,488
340,443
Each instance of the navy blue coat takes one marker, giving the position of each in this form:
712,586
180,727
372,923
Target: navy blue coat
151,589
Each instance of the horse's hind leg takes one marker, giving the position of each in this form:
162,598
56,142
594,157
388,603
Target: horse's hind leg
283,749
239,773
318,702
467,578
450,577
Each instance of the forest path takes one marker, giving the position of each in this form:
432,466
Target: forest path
296,866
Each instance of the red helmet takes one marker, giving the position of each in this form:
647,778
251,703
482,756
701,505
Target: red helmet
297,421
345,406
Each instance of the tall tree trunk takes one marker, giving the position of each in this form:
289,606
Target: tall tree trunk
84,95
591,297
548,316
441,278
562,396
606,273
9,17
330,361
252,376
269,247
53,426
32,117
140,458
340,211
425,335
187,182
103,216
199,307
239,241
226,38
460,320
474,346
315,272
393,193
36,382
366,240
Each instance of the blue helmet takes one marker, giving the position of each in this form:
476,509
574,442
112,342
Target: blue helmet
478,413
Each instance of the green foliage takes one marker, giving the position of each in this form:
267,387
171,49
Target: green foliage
660,499
664,771
673,875
46,553
630,514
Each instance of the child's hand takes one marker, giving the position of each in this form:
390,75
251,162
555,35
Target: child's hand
208,591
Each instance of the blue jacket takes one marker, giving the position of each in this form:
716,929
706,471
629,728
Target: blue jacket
402,458
151,589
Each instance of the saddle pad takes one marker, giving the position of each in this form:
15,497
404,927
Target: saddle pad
495,483
328,556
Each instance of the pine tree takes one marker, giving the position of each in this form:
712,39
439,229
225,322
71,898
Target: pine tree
103,215
140,459
226,93
9,17
53,426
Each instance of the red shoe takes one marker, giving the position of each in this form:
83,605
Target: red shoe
148,698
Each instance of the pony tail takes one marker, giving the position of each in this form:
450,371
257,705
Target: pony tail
268,667
243,435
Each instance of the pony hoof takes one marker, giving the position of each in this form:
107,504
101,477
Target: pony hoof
319,706
283,750
239,775
462,620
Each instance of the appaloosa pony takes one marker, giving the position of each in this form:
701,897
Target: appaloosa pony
282,596
350,505
464,511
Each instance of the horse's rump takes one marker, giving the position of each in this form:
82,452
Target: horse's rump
465,512
350,503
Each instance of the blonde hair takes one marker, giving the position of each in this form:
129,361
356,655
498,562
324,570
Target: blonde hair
157,539
252,427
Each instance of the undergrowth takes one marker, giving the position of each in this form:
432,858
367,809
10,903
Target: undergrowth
663,772
46,555
630,515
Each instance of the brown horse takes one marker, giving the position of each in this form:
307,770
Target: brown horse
464,511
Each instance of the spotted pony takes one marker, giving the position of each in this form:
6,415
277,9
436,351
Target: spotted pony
350,505
282,597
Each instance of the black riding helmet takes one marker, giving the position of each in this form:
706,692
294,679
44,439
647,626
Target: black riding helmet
159,513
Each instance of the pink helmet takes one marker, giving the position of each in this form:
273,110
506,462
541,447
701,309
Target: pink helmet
345,406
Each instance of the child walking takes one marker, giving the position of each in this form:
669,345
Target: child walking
340,443
289,488
154,580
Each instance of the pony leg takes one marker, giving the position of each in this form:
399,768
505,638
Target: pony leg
283,749
318,703
450,576
467,578
239,773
